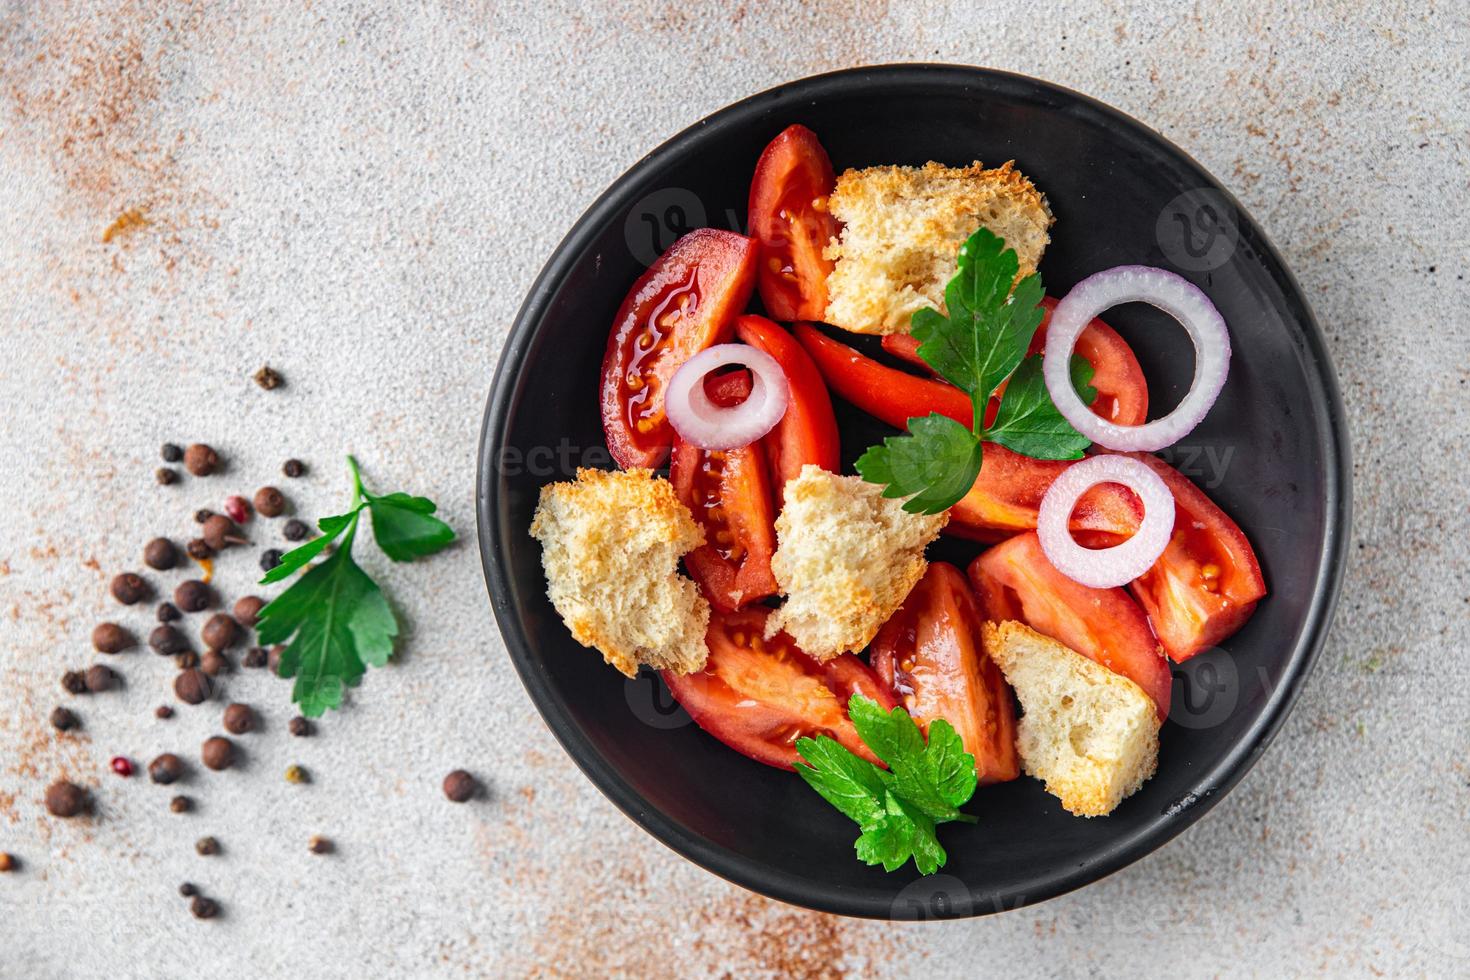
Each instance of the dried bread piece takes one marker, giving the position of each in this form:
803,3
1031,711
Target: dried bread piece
611,544
902,230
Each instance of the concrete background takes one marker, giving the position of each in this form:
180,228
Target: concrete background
360,193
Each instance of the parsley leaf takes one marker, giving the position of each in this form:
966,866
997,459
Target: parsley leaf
934,464
1028,422
896,808
335,620
978,344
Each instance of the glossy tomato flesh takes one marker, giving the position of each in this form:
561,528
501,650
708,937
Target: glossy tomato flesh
685,302
1208,580
729,493
930,653
1104,625
759,696
807,433
789,217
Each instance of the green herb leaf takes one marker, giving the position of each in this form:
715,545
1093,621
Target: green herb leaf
934,464
404,529
1029,423
897,808
334,619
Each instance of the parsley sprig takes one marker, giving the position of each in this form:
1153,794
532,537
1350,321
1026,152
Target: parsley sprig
979,344
336,619
897,808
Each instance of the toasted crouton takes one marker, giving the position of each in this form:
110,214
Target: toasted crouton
846,558
1091,735
902,230
611,544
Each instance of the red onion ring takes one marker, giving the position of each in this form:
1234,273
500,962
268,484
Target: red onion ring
1105,568
1176,296
700,422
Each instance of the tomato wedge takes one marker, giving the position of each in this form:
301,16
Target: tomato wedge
930,652
759,696
789,217
1101,624
729,493
685,302
1122,392
1207,582
807,433
883,392
1005,497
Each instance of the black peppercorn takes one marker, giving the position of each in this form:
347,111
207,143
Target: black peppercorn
192,686
171,452
167,768
199,549
65,799
320,845
270,558
193,596
110,638
167,612
63,720
268,378
201,460
239,719
160,554
165,476
180,804
167,640
202,514
204,908
218,753
206,846
74,682
300,727
296,530
128,588
254,658
163,712
99,678
188,890
459,786
220,631
293,468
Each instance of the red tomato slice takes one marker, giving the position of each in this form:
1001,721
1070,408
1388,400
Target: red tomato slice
930,652
685,302
788,216
1122,392
729,388
807,433
1101,624
1207,582
883,392
759,696
729,493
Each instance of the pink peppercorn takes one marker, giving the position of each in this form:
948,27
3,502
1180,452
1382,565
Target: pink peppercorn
237,509
122,766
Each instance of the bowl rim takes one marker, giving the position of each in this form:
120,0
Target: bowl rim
774,882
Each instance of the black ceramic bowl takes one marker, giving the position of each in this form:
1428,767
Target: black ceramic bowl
1273,453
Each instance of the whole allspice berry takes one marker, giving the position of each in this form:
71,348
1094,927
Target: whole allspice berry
192,686
460,786
160,554
99,678
63,719
65,799
273,658
167,768
220,532
269,502
193,596
180,804
163,712
128,588
166,476
247,609
239,719
214,663
220,631
218,753
74,682
201,460
255,658
207,846
300,727
167,640
8,862
167,612
110,638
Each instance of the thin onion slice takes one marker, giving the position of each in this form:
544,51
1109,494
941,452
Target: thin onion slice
1176,296
700,422
1105,568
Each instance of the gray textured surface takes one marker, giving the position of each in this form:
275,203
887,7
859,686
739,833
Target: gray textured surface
360,193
